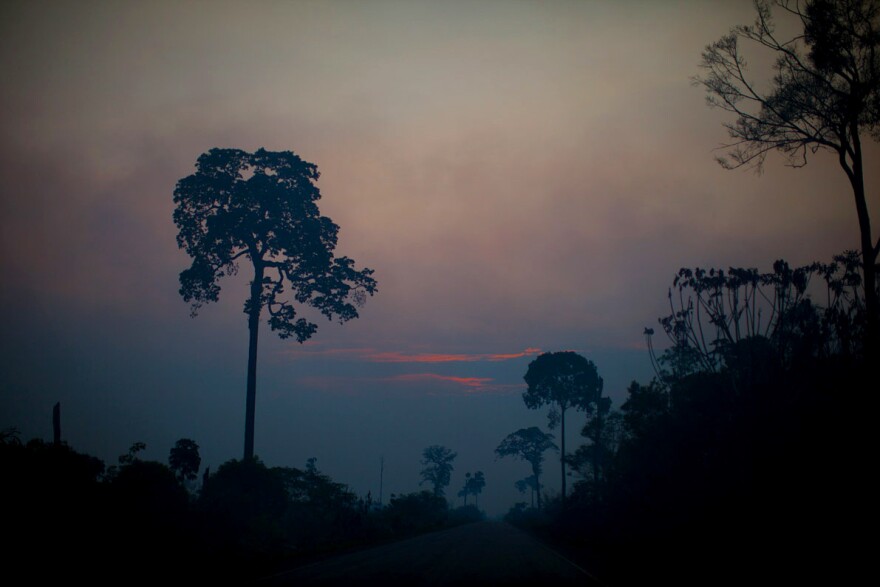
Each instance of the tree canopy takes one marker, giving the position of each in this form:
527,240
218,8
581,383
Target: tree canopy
528,444
262,206
473,485
824,95
562,380
438,467
184,459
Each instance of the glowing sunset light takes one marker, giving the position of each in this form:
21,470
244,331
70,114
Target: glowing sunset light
523,177
376,356
397,357
470,384
467,381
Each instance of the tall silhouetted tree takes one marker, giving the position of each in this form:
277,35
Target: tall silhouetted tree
561,380
262,206
437,461
528,444
528,483
604,430
184,460
824,95
474,486
465,490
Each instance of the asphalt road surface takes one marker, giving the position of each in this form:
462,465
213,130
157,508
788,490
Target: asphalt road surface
484,553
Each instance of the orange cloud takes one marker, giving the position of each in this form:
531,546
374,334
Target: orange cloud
504,357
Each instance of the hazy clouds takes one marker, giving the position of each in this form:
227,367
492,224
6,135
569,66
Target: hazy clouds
519,174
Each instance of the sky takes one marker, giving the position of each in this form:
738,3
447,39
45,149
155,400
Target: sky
523,177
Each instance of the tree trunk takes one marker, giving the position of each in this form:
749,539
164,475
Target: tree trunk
869,264
255,306
562,459
597,448
869,258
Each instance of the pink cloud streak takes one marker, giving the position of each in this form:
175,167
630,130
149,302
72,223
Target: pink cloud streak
398,357
470,382
354,385
375,356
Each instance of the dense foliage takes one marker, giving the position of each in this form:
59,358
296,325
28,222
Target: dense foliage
96,521
746,439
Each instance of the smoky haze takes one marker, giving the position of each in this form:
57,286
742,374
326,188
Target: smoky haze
523,178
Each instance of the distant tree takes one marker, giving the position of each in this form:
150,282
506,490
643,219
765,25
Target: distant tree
824,95
646,408
604,429
528,483
528,444
475,486
561,380
465,490
321,489
437,461
131,456
319,510
124,460
184,460
262,206
10,436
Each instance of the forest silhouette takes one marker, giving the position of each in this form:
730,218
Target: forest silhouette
744,459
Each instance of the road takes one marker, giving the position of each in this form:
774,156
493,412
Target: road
484,553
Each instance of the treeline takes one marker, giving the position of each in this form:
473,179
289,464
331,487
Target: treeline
747,456
145,519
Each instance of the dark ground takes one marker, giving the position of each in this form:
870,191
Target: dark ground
484,553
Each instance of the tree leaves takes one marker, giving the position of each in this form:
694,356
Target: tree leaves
262,206
564,378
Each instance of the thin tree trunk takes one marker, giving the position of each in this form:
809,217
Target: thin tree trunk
255,306
869,258
869,264
562,460
597,449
